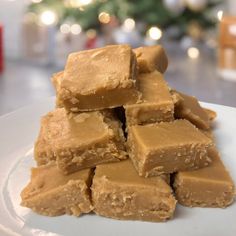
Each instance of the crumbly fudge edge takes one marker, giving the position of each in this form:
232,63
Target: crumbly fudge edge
165,112
224,198
136,154
126,195
73,187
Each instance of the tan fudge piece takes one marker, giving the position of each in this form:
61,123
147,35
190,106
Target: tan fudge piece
151,58
51,193
118,192
99,78
210,113
175,97
167,147
209,134
157,104
189,108
56,81
208,187
81,140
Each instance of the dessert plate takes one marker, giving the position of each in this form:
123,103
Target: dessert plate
19,129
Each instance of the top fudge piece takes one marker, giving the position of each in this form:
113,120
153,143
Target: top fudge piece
118,192
99,78
51,193
189,108
79,140
167,147
151,58
157,104
208,187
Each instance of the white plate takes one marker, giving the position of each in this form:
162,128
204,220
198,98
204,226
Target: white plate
18,131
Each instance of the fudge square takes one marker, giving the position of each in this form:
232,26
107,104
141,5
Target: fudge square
79,140
151,58
208,187
99,78
189,108
118,192
211,114
51,193
167,147
157,104
56,81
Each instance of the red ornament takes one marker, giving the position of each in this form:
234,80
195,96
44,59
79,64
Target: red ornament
91,43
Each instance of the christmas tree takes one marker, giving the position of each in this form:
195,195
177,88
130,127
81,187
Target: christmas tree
92,14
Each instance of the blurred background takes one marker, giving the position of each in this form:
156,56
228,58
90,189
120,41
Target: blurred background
36,37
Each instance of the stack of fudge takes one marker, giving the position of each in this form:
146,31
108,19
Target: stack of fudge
122,143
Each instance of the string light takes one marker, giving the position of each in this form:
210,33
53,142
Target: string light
193,53
36,1
65,29
75,29
48,17
129,25
104,17
154,33
85,2
220,15
91,33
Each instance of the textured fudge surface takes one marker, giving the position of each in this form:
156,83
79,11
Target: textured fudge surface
118,192
79,140
99,78
56,81
211,114
151,58
157,104
209,134
208,187
51,193
189,108
167,147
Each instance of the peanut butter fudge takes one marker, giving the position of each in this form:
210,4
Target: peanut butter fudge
151,58
118,192
51,193
208,133
189,108
99,78
56,81
208,187
79,140
157,104
211,114
167,147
